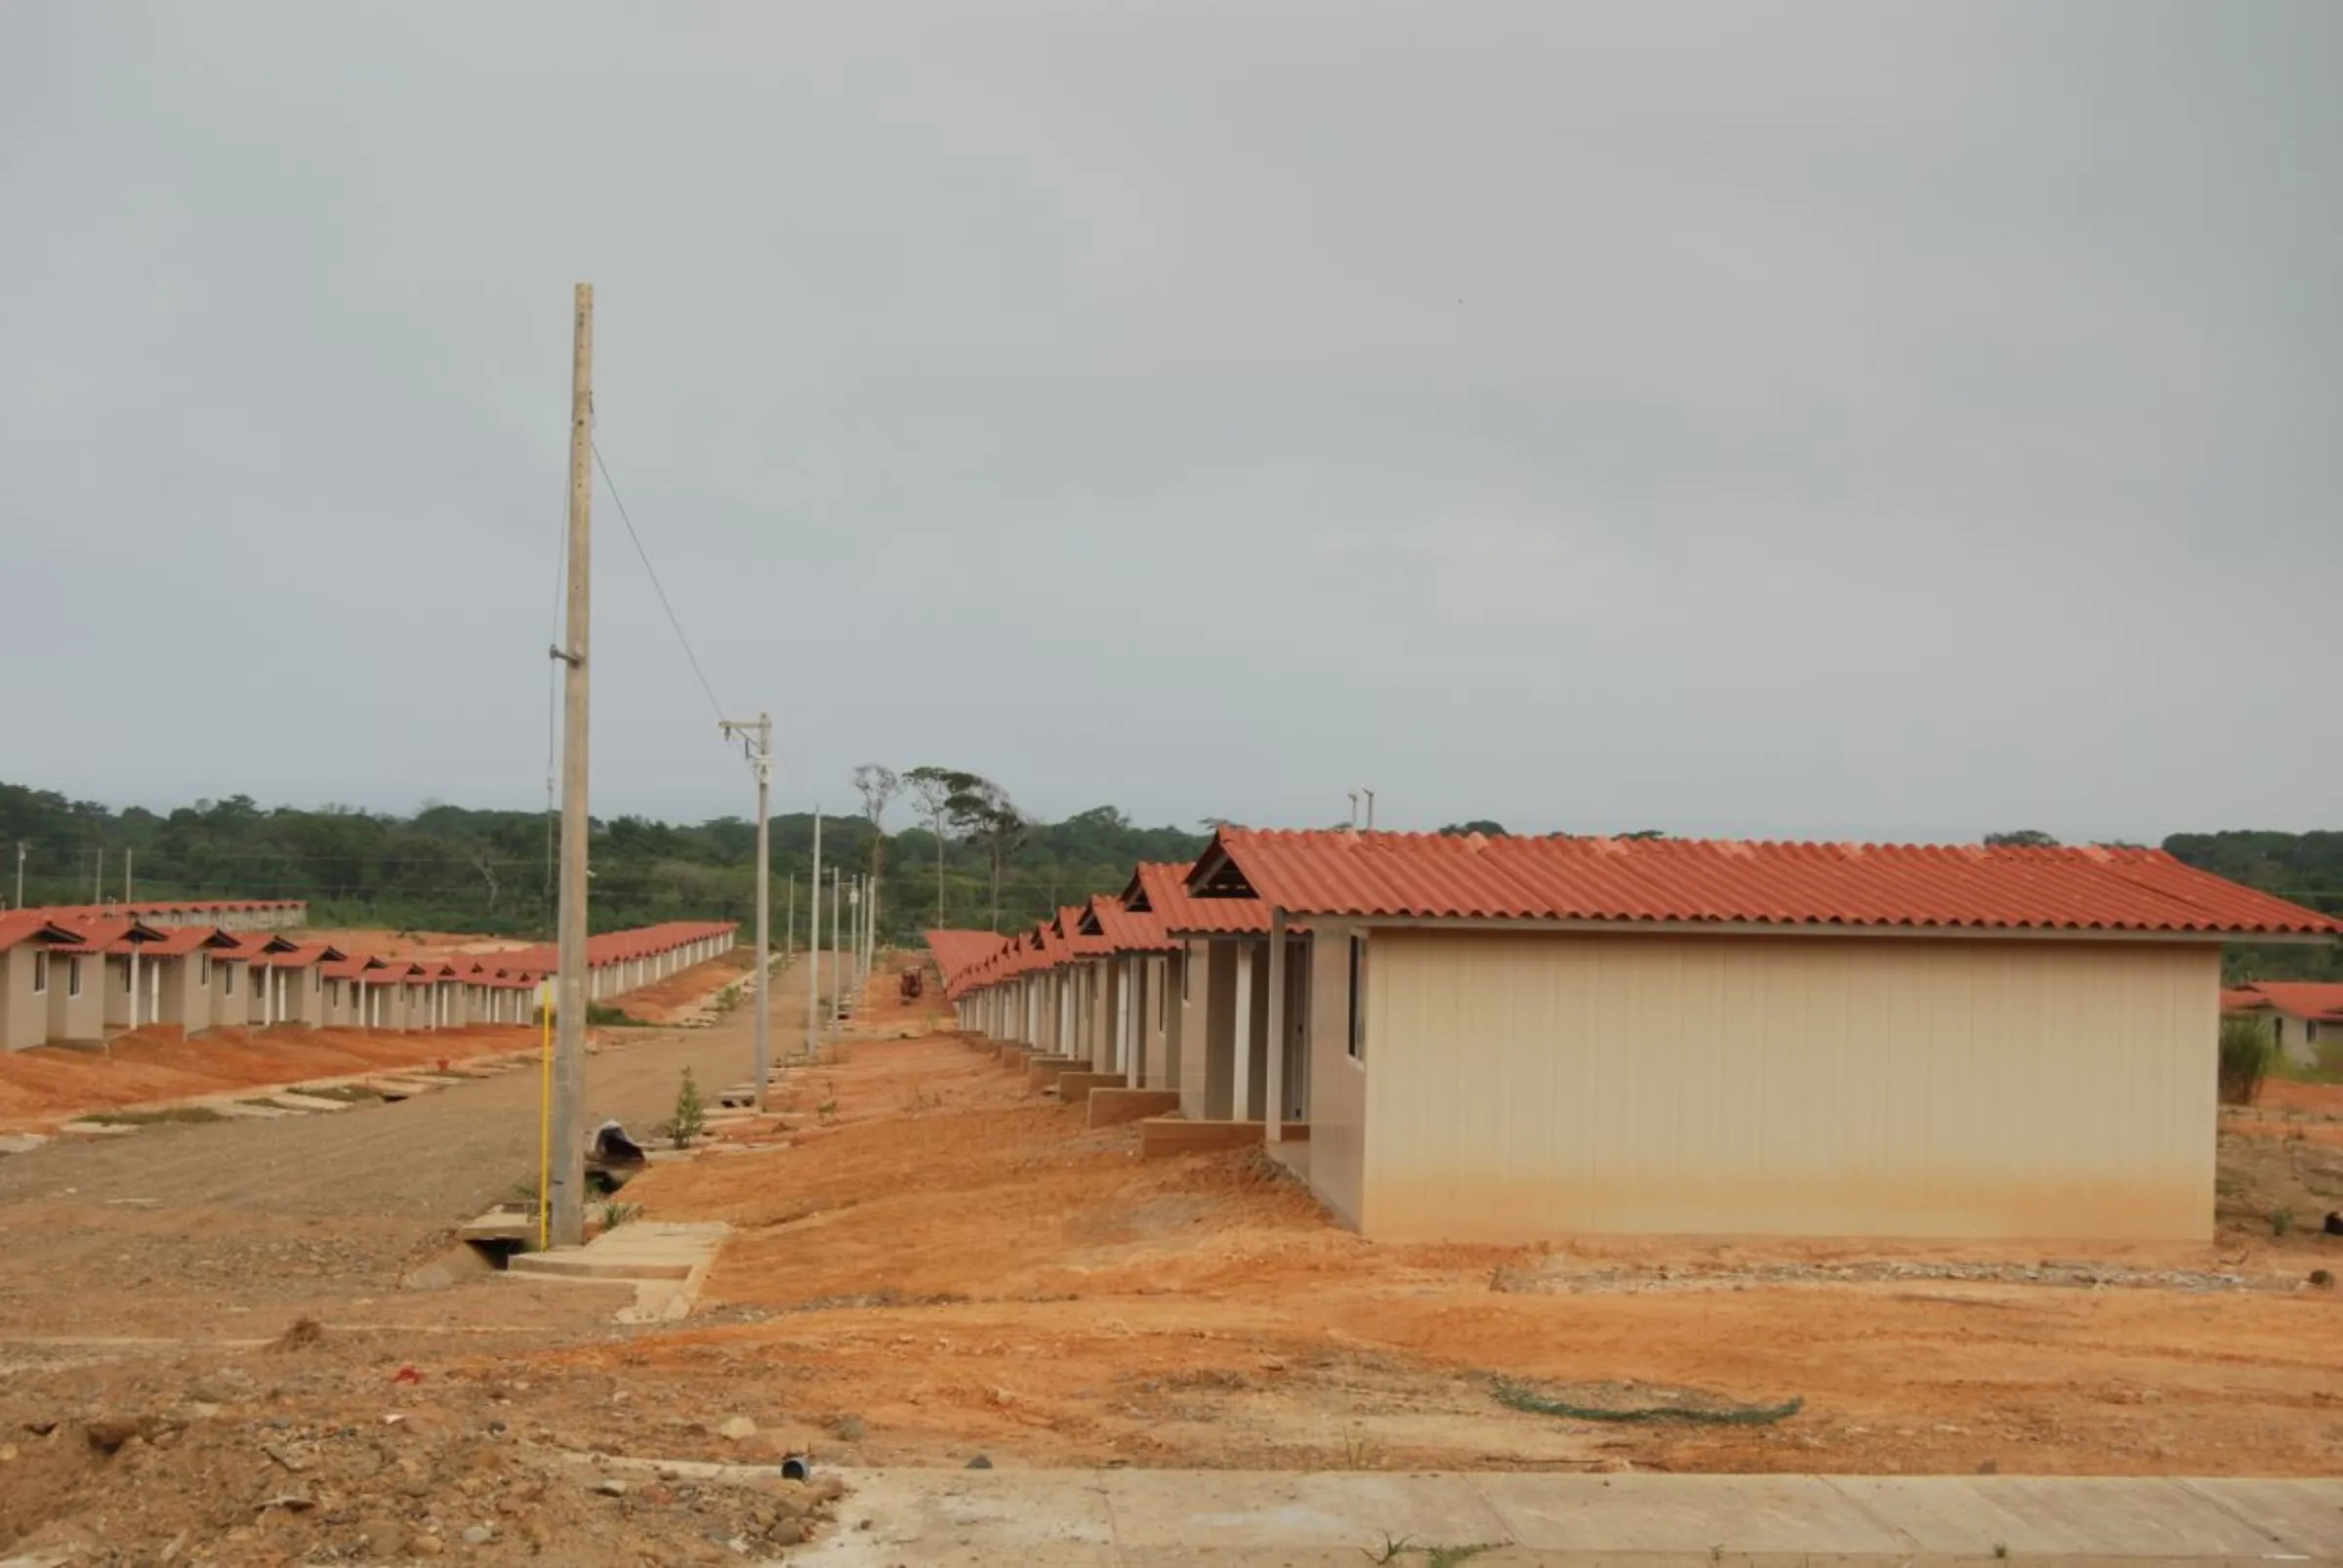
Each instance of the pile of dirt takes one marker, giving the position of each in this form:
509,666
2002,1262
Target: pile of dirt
265,1464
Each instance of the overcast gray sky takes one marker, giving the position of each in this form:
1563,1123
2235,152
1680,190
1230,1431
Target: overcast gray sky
1817,419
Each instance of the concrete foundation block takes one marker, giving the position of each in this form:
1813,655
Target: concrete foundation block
1110,1106
1074,1087
1161,1136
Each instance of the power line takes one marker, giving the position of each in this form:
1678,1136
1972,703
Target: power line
657,587
714,706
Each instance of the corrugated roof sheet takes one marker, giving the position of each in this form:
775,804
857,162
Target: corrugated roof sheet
957,951
1963,887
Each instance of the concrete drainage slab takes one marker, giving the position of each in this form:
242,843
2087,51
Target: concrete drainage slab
667,1264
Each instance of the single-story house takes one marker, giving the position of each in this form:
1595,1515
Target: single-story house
180,973
1148,960
1514,1039
30,974
236,997
2305,1016
292,988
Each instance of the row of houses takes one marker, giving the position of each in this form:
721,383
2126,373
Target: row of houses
2305,1016
68,978
1493,1039
225,914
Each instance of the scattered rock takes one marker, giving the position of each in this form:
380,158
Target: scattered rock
847,1429
2321,1280
980,1462
426,1547
305,1333
108,1434
610,1486
737,1430
1989,1466
478,1535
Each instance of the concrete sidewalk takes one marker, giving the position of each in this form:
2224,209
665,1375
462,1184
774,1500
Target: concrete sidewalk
1253,1520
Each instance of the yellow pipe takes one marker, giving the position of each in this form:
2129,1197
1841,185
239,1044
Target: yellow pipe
544,1119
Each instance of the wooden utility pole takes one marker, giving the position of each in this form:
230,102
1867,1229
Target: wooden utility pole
762,760
569,994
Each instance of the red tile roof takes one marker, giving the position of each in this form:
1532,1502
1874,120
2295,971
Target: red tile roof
1160,888
2301,999
1125,930
1964,887
957,951
619,947
180,941
251,946
1079,945
301,955
31,926
110,937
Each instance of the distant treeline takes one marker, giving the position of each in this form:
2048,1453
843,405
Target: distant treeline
450,868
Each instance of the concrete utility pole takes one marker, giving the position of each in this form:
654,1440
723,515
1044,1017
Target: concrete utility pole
126,858
762,759
1370,794
837,950
789,927
570,995
98,883
21,847
813,944
859,898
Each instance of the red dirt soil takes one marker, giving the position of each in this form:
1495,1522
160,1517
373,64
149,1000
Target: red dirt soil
409,944
52,1084
960,1266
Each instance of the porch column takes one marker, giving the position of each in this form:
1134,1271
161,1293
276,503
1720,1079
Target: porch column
1274,1081
134,984
1174,980
1134,1019
1239,1087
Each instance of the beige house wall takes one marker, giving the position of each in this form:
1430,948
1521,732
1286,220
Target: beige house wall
184,992
1338,1083
76,1017
2301,1038
25,1012
1528,1086
1208,1031
230,979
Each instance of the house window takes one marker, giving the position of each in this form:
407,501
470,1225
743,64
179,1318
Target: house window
203,968
228,979
1358,998
40,972
1187,962
125,976
2310,1031
316,982
72,976
334,995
